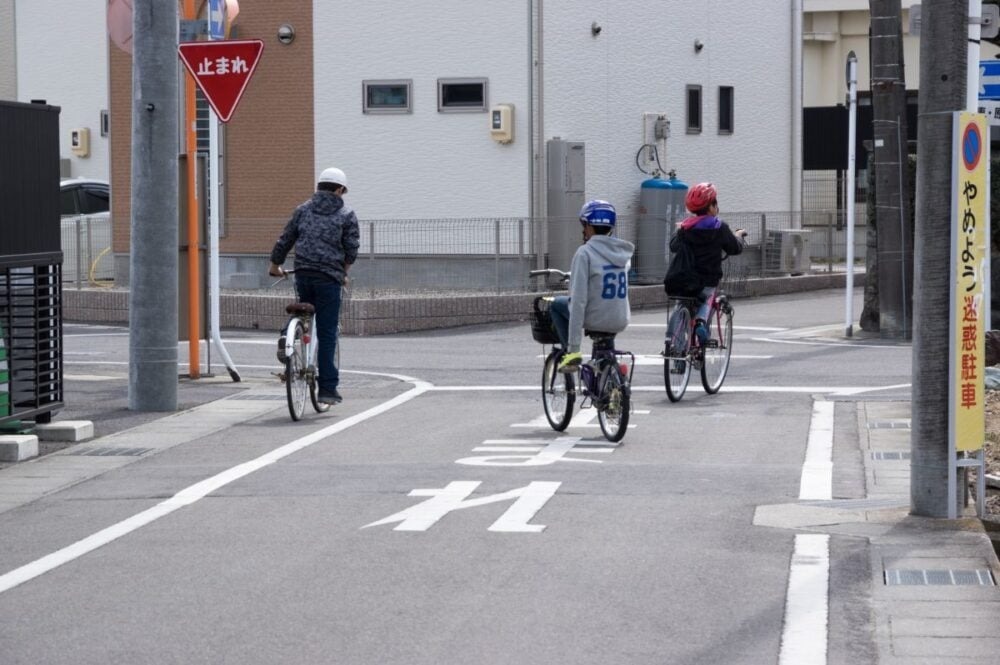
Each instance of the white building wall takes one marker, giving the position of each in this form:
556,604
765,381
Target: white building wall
596,90
430,164
423,164
62,58
8,71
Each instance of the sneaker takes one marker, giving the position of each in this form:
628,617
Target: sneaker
329,396
701,332
570,363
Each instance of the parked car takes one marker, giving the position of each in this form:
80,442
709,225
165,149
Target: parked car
86,230
84,196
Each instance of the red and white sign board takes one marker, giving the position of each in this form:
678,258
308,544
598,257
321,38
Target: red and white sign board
222,69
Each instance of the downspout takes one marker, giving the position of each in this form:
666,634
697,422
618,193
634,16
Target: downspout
531,111
540,212
796,124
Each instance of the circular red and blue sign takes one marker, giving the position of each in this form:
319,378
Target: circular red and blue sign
972,146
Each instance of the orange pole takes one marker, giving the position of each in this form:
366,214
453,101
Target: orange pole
194,251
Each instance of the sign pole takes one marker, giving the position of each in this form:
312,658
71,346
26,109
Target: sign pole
852,130
194,249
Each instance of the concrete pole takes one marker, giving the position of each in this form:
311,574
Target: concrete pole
943,69
153,258
852,139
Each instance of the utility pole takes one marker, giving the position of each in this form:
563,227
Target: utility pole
153,260
892,209
943,74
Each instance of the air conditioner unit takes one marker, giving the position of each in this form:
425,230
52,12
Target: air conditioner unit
787,251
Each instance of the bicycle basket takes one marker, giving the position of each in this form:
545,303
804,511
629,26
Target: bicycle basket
542,329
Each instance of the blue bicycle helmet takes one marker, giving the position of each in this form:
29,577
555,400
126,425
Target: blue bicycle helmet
598,213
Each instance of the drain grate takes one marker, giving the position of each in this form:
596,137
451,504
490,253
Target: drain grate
275,397
110,451
884,455
894,423
918,577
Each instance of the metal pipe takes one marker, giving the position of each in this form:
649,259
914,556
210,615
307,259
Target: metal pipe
214,224
191,136
796,120
852,124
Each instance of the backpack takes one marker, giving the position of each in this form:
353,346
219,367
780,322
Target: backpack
682,279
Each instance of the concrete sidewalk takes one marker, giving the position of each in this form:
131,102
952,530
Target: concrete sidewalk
934,595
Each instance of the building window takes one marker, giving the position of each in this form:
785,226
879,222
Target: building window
694,109
726,108
387,96
461,95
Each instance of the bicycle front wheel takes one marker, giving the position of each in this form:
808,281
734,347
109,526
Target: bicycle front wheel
715,362
296,381
676,363
558,393
615,403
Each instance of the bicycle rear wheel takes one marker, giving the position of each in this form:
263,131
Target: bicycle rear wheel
296,382
715,362
676,363
558,393
615,403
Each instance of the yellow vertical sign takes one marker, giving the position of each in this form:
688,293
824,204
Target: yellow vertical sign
969,263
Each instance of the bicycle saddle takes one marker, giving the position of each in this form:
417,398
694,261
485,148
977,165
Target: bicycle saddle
300,308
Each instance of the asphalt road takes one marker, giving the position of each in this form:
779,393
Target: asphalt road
414,524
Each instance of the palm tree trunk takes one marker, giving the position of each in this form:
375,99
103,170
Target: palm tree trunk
895,230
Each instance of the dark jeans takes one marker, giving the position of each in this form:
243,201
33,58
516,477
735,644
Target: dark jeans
323,293
559,311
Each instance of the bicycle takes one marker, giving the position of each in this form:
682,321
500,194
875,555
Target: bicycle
682,350
605,380
297,347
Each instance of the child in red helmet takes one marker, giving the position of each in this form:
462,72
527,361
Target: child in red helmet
708,237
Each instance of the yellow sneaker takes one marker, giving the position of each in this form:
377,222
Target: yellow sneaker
570,363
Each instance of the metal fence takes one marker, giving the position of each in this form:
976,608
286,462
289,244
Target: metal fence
86,246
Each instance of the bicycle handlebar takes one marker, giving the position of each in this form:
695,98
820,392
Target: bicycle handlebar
563,276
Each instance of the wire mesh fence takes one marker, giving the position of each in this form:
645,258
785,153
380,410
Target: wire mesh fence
86,246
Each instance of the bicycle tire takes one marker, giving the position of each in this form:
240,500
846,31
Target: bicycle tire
558,393
615,403
295,372
676,360
715,359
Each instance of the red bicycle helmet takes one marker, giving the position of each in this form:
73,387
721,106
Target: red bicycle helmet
700,196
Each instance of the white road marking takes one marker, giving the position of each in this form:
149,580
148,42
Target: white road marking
528,500
816,483
844,343
657,359
735,327
583,418
534,452
200,490
90,377
804,637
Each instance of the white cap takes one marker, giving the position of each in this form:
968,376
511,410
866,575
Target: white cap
334,175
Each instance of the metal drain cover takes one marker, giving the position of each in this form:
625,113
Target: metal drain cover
110,451
274,397
946,577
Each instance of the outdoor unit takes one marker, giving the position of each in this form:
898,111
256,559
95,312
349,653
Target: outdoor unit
787,251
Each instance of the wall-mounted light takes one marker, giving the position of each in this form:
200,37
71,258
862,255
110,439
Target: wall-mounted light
595,29
286,33
698,45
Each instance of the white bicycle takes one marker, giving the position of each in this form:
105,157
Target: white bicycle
297,347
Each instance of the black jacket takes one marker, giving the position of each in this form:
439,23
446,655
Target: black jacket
709,237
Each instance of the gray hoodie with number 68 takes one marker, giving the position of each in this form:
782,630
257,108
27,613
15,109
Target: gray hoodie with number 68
598,288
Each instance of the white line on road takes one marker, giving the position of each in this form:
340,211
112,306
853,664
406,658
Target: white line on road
845,344
816,483
193,493
664,325
804,637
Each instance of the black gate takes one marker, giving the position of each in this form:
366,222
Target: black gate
31,339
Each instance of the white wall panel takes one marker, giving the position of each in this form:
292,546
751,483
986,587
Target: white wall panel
62,58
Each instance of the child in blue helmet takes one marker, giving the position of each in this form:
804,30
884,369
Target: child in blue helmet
598,286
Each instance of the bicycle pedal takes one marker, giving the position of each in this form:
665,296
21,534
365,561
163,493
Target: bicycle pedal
280,375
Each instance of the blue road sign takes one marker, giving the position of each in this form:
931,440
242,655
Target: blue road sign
216,19
989,79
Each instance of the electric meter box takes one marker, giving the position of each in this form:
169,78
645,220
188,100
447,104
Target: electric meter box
79,141
502,123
